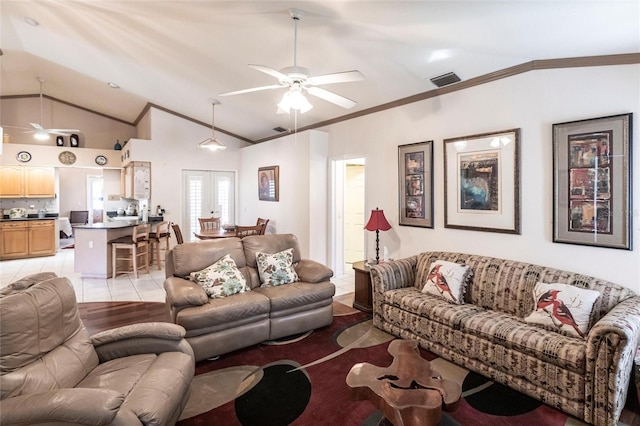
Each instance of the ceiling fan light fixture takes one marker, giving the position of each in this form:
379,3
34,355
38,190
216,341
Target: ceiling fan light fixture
41,135
212,143
294,99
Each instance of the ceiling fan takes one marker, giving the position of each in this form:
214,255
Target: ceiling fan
298,80
40,132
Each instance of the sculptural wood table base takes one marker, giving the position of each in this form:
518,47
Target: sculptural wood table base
408,392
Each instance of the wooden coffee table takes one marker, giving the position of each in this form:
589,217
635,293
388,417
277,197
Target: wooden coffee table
408,392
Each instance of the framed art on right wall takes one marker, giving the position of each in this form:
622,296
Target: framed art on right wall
592,182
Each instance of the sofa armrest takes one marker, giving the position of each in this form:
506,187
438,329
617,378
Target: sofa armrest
313,272
611,347
181,292
144,338
76,406
394,274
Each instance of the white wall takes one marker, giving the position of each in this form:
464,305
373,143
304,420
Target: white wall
532,102
303,189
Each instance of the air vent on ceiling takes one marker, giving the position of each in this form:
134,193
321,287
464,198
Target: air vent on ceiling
279,129
445,79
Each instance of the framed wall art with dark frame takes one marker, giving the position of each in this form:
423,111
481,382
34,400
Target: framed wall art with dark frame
415,184
482,182
269,183
592,182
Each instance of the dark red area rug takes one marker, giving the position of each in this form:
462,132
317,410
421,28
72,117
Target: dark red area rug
260,386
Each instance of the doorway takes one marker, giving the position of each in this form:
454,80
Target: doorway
348,215
207,193
95,198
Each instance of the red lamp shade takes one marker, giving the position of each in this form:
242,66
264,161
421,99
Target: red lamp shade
377,221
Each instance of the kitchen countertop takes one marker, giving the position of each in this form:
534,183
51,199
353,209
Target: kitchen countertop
106,225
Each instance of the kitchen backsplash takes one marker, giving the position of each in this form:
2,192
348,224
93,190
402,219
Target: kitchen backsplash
50,205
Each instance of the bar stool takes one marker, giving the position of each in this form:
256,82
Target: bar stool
160,235
133,243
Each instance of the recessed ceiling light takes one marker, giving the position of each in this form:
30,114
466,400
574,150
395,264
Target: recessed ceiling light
113,85
31,21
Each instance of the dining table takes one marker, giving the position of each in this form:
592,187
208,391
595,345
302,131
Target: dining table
211,234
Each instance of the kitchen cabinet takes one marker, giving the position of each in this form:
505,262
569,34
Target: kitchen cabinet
27,238
27,182
136,180
42,238
14,237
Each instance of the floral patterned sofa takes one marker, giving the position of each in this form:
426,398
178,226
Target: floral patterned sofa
233,293
490,329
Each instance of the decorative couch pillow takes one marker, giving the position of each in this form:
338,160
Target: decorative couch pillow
276,269
221,279
447,280
562,307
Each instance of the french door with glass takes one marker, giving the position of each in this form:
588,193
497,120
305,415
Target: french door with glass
207,194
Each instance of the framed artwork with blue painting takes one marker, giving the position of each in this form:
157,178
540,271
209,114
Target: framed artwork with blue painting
482,175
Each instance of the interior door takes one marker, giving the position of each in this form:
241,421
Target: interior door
207,194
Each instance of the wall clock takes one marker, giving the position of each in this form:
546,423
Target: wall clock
59,140
74,141
101,160
23,156
67,157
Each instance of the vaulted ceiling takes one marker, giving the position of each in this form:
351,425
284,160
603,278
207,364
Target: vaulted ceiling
180,54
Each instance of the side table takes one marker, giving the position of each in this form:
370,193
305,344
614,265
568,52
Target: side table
363,299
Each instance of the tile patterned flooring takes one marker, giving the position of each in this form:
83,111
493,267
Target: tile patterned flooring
147,288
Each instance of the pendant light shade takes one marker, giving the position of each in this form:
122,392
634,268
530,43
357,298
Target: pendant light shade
212,143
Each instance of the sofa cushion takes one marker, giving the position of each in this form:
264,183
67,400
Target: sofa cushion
272,243
563,308
221,279
277,268
297,294
191,257
224,311
44,343
447,280
514,334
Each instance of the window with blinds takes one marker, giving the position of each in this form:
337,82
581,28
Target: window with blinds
195,202
224,199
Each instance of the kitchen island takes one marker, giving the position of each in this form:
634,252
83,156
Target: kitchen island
92,248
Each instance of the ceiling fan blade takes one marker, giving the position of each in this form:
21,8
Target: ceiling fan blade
64,132
16,127
253,89
339,77
331,97
273,73
37,126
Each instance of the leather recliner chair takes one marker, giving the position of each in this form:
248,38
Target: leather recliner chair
53,372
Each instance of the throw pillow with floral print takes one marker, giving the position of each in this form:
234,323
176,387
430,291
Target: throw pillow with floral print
221,279
276,269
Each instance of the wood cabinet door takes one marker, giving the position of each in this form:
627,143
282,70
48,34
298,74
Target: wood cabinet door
11,181
42,238
39,182
13,240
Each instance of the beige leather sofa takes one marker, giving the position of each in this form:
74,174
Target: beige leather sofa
52,372
219,326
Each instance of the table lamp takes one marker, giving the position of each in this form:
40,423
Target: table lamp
377,222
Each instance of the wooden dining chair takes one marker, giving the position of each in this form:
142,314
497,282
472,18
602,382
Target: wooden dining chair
156,238
262,222
176,230
245,231
209,223
137,245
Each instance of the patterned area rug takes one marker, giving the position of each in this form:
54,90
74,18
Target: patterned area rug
301,381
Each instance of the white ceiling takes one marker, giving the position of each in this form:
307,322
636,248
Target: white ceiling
179,54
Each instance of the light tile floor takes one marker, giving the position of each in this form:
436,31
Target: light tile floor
147,288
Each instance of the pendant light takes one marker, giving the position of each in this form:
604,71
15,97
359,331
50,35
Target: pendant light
212,143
